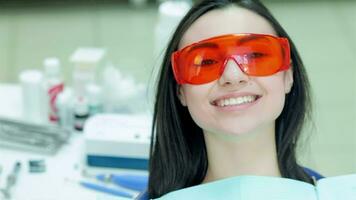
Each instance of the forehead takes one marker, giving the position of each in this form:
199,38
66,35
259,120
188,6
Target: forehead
228,20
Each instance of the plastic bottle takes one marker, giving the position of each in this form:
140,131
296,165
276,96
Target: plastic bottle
85,62
95,100
33,97
64,104
81,113
53,84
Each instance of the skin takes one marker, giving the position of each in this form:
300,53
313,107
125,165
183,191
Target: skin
238,142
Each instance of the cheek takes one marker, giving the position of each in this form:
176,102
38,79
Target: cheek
277,103
275,97
198,104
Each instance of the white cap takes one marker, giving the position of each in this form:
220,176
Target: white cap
31,77
51,66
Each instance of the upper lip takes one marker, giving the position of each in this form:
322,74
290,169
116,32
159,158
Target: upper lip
233,95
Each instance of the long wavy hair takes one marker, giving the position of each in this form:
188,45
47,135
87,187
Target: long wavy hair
178,156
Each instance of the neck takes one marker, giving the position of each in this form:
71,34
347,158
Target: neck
247,154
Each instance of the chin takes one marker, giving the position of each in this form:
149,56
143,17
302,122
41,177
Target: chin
238,132
235,131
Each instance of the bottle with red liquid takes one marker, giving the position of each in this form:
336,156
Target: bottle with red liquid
53,86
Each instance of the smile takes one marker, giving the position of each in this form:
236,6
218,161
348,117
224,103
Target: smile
236,101
233,102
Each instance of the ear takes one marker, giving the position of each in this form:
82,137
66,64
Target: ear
288,80
180,95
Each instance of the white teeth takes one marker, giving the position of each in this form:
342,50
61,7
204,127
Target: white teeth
246,98
236,101
220,103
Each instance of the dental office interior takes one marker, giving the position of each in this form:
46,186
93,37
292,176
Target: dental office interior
77,85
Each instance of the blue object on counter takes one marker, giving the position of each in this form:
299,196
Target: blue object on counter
117,162
107,190
133,182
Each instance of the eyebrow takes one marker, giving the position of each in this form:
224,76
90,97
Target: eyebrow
249,38
204,45
239,42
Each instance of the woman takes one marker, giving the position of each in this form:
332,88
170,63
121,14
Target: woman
232,98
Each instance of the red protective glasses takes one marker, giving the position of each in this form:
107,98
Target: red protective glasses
255,54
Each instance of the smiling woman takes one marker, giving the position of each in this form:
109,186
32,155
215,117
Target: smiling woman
232,98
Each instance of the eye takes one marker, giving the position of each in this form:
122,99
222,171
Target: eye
208,62
200,61
254,55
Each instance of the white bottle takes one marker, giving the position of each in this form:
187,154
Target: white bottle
85,62
65,107
53,86
95,100
33,97
81,113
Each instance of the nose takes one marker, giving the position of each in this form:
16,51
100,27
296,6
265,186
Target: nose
233,75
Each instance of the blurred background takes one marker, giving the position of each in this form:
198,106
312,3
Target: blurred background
129,31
